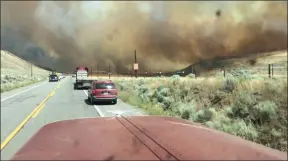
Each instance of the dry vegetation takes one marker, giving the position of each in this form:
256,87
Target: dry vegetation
16,72
244,104
256,64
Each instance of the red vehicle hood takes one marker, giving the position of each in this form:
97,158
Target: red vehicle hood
139,138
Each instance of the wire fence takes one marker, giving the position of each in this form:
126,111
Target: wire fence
264,70
271,70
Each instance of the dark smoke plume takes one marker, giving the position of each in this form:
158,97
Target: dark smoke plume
167,35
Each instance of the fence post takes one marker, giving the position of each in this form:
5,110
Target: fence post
269,70
224,72
192,70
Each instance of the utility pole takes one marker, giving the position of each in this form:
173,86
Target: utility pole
109,71
135,63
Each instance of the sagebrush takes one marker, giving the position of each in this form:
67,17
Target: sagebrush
249,106
11,79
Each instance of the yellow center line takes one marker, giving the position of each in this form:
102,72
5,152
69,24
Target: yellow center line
37,112
15,131
52,93
19,127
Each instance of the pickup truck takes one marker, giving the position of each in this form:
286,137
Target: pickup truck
82,80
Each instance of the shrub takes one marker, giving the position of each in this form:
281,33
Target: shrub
244,101
187,110
145,92
175,77
191,75
263,112
240,104
11,79
163,96
230,84
240,128
204,115
242,74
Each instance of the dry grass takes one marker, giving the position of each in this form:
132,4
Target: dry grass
257,64
16,72
244,104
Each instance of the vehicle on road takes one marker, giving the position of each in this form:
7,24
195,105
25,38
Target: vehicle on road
102,91
82,79
61,76
139,138
53,78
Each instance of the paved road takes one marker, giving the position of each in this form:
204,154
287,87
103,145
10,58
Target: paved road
62,103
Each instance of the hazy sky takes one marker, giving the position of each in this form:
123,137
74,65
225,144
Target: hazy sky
167,35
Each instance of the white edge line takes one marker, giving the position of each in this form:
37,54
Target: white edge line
96,107
23,91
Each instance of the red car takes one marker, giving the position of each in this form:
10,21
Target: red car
102,90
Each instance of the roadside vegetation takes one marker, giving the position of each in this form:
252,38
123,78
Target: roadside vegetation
12,79
16,72
242,104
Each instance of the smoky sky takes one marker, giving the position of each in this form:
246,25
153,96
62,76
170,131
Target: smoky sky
166,35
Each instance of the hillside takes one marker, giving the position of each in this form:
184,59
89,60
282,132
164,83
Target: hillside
16,72
254,63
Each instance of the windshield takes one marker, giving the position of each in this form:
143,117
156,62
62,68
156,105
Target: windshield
220,64
104,86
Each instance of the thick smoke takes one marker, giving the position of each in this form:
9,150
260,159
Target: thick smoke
167,35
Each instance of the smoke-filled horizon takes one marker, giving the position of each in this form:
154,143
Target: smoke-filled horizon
166,35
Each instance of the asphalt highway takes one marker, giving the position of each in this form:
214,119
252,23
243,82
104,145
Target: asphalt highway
24,111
